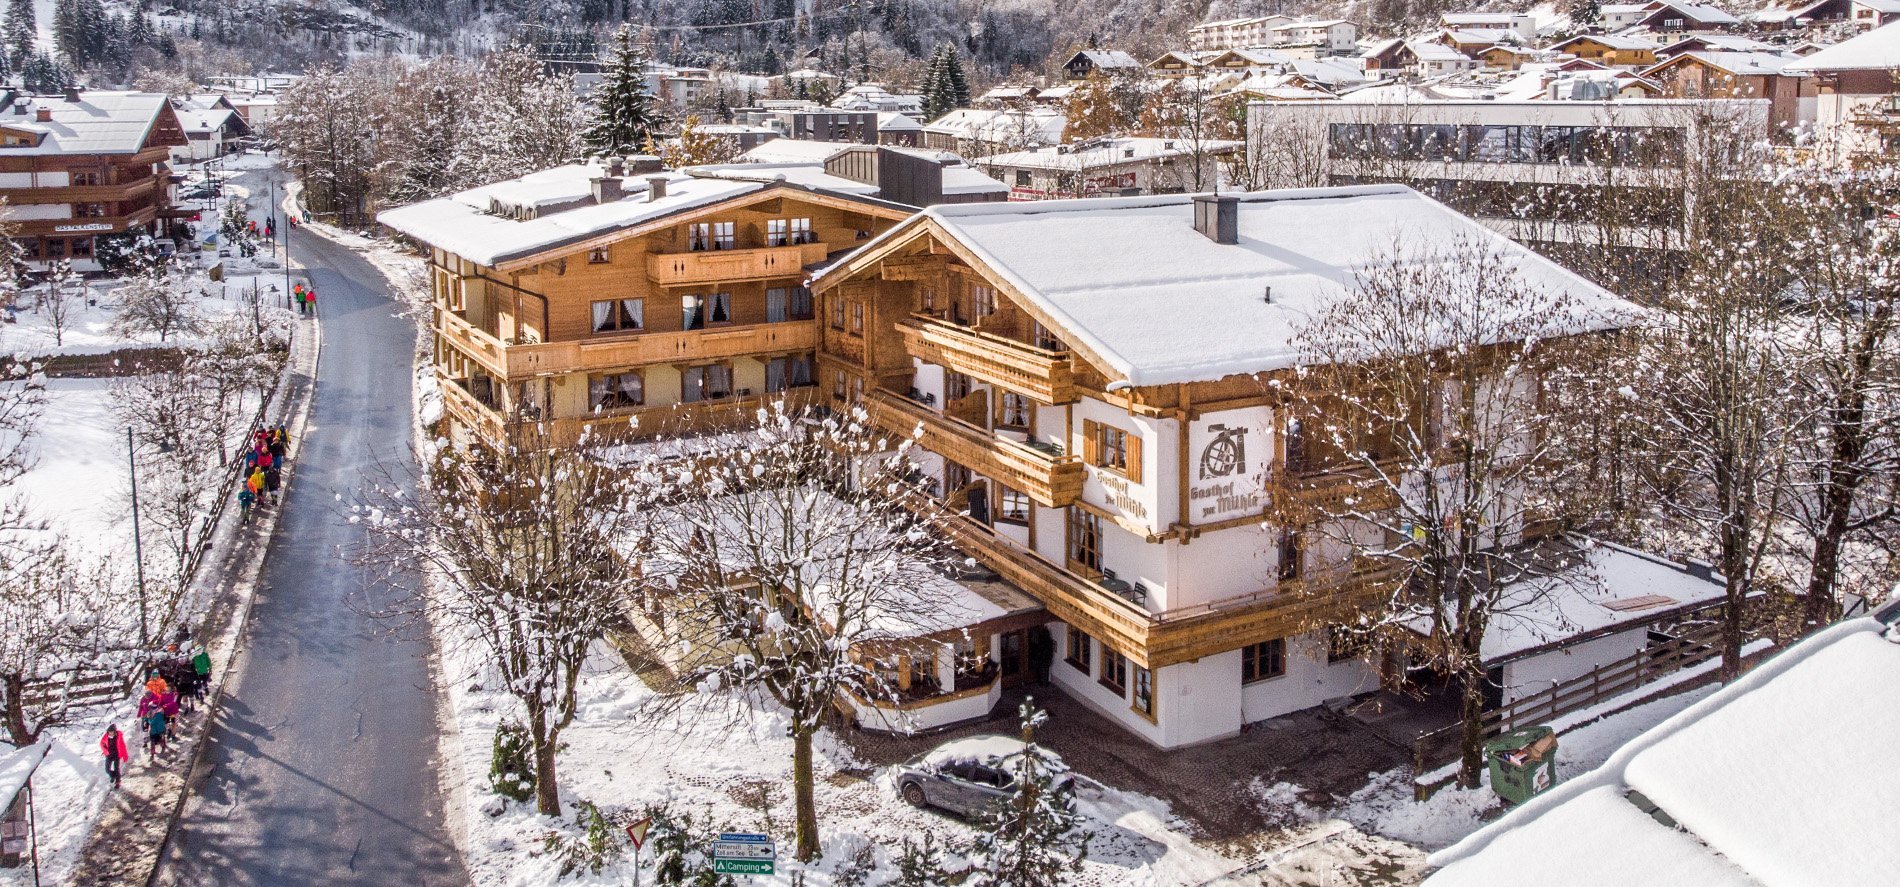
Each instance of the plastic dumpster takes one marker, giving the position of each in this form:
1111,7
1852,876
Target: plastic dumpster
1523,763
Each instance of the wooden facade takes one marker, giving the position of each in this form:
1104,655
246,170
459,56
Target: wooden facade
61,201
669,323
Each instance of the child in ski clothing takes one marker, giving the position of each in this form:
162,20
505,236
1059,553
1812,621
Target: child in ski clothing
155,732
277,448
310,299
271,480
113,745
257,484
245,498
201,665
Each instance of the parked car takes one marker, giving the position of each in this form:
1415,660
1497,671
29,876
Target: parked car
966,776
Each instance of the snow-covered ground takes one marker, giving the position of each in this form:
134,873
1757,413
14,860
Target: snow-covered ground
77,482
739,778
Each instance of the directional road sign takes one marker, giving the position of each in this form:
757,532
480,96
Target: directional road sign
743,853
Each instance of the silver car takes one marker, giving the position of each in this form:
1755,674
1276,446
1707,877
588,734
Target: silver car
966,776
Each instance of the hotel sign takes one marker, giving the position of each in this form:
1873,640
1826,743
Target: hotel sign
1228,455
86,228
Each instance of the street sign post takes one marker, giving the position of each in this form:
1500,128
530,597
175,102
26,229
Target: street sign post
637,833
743,853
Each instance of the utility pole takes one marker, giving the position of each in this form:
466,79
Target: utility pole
138,545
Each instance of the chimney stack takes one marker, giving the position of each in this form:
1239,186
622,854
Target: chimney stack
656,188
44,114
72,94
20,106
1217,218
606,189
616,166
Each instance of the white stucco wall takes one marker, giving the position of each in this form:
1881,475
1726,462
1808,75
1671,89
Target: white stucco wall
1309,680
1536,673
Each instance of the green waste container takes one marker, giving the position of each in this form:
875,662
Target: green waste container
1523,763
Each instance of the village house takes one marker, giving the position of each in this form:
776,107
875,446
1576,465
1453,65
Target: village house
1618,16
981,132
212,126
1326,37
1520,24
1674,19
86,165
1096,384
1107,62
1110,167
1858,100
1610,50
1792,99
583,297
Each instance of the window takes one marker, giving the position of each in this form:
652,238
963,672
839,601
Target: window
616,390
1022,178
1289,552
837,313
599,256
1106,446
618,315
1259,662
1114,671
696,312
1085,541
791,371
837,385
1145,691
956,386
1012,506
927,299
982,302
703,236
705,383
775,234
801,231
1295,436
1081,650
85,177
1013,410
55,247
1045,339
857,317
89,210
787,303
82,246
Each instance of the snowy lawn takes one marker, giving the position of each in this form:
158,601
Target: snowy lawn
71,789
739,779
89,328
77,480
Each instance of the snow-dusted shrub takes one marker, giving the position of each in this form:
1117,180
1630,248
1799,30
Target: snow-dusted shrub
599,843
511,768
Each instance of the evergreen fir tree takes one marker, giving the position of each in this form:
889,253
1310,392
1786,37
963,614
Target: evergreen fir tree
1035,838
936,93
625,117
1584,14
21,31
957,85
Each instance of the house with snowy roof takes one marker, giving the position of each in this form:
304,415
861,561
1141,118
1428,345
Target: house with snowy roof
1521,24
212,126
585,297
84,165
1792,98
1094,381
1325,37
1110,167
980,132
1763,783
1610,50
1673,19
1232,33
1870,14
1090,62
1858,101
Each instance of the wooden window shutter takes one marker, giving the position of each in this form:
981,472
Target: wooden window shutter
1133,473
1091,435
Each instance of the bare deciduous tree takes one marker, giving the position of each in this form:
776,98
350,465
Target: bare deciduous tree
1424,393
776,559
55,614
159,303
516,544
64,296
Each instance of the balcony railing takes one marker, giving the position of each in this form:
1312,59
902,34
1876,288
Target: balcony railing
1053,480
717,266
80,193
1043,375
627,350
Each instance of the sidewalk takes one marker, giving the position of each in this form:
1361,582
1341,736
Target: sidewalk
125,843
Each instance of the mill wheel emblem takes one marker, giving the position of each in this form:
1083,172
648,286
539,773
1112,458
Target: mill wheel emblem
1226,454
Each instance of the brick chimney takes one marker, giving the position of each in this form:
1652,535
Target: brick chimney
43,114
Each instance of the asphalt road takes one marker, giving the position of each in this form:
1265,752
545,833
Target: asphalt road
323,769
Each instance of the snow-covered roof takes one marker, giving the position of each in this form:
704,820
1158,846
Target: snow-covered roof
1613,41
960,180
1481,35
463,223
1323,23
99,123
1107,58
1614,588
897,121
804,175
1482,18
1133,282
1427,51
1041,126
1876,50
1888,6
1722,43
1752,63
207,120
1701,13
783,150
1777,780
1102,152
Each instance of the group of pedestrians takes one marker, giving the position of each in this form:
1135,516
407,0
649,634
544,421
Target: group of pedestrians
306,298
175,684
263,469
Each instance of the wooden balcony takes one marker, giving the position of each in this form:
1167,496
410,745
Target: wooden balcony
1324,492
1043,375
80,193
471,413
677,420
144,215
1051,480
516,362
720,266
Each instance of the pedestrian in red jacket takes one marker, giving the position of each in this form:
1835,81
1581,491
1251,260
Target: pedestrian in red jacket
113,745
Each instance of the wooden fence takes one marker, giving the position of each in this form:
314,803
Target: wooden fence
1692,647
